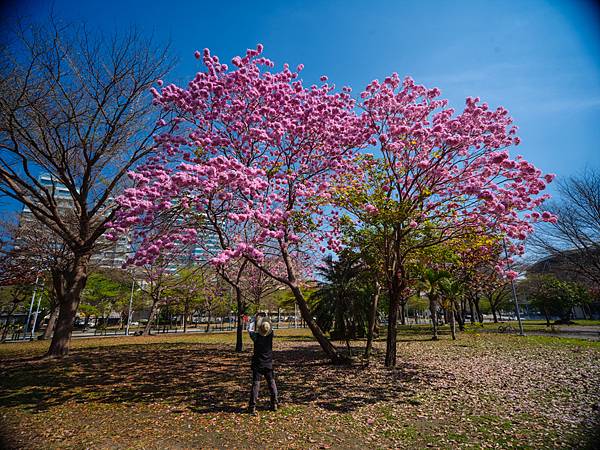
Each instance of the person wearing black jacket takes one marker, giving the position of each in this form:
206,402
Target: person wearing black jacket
262,362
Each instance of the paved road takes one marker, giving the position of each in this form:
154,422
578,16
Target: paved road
591,332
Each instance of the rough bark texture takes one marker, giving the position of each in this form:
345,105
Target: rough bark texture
153,312
395,289
68,286
51,323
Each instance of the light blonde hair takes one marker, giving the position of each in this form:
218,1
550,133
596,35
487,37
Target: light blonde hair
264,328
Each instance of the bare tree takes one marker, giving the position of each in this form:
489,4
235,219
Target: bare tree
257,286
573,242
160,279
75,106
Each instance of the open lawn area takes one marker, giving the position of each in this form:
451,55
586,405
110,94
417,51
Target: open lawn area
189,391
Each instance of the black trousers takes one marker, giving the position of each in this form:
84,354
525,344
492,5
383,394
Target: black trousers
270,377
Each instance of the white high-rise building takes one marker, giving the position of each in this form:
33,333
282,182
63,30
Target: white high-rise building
108,254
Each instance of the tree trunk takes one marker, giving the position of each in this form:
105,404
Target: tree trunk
494,312
478,309
185,314
463,309
403,312
452,321
472,310
547,317
153,314
68,295
390,348
325,344
348,346
318,334
459,317
433,310
59,346
208,323
372,320
51,323
239,344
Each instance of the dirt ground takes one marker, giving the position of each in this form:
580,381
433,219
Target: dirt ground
482,391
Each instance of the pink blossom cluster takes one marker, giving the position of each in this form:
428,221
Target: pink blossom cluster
255,154
450,172
256,158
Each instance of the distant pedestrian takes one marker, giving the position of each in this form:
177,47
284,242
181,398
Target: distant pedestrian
261,333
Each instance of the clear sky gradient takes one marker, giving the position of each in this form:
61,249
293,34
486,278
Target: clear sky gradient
539,59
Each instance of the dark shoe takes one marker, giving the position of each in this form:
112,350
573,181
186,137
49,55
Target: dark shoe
252,410
274,406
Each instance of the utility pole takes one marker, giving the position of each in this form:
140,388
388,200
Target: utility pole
514,291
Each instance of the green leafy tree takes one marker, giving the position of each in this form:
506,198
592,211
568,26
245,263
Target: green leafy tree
189,294
13,300
553,297
104,292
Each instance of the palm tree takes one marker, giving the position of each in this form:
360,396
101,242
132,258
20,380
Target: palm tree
452,290
431,283
339,302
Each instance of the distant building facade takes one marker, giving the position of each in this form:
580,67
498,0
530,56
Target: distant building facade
108,254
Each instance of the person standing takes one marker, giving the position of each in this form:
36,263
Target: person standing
262,361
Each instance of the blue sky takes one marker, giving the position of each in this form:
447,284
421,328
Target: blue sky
539,59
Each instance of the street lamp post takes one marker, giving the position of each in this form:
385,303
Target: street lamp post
37,311
295,315
514,291
25,331
129,310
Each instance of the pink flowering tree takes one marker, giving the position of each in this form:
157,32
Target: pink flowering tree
257,153
441,175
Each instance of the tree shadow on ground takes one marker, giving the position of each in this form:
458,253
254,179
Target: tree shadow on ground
204,378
